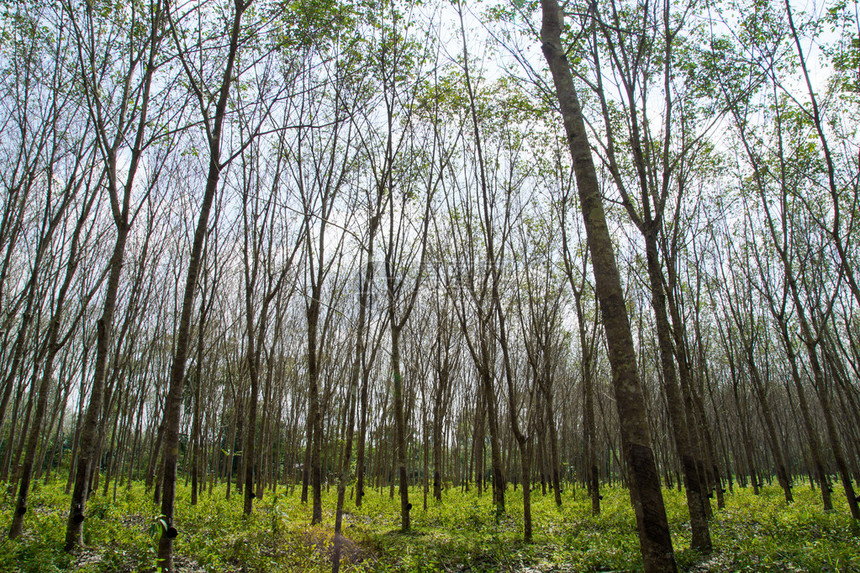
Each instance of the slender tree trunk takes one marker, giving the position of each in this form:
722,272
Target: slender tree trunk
90,426
120,208
438,420
654,538
553,449
821,387
495,439
314,414
358,361
78,423
678,416
362,438
477,454
770,427
590,442
525,478
173,401
400,428
195,416
815,447
306,466
54,345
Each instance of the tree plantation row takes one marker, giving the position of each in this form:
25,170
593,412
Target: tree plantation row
424,246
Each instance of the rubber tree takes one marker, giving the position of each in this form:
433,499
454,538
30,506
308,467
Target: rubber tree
656,169
55,340
264,234
120,113
577,278
322,170
213,122
653,526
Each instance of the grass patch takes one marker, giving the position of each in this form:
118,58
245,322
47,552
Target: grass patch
753,533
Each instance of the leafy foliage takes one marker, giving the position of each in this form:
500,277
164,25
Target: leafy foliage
753,533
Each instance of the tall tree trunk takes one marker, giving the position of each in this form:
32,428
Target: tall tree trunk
442,375
173,401
315,433
195,415
355,374
54,344
770,426
400,428
823,391
654,538
120,209
362,438
491,411
679,417
526,483
90,426
306,465
815,447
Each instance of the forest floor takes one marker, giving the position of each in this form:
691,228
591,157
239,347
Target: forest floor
752,533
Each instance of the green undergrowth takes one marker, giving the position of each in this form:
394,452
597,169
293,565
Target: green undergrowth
753,533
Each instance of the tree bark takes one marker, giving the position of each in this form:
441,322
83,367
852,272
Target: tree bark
54,344
655,542
173,400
